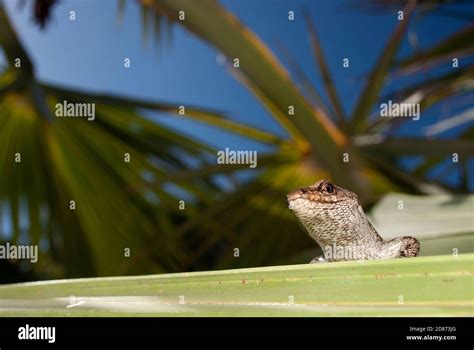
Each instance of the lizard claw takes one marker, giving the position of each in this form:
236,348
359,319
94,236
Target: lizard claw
318,260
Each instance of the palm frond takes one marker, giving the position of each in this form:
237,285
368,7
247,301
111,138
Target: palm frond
459,45
262,71
324,69
374,85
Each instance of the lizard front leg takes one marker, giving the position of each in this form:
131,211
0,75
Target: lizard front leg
318,260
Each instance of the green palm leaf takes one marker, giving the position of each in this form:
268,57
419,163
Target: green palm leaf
398,287
260,71
326,75
458,45
375,82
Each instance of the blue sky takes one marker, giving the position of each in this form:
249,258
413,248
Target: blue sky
88,53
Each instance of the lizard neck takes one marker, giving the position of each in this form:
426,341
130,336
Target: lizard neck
349,236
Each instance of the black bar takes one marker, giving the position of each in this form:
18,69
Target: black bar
338,331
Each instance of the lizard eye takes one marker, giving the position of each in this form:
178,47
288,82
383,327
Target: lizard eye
329,188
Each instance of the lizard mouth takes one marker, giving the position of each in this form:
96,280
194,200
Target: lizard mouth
293,195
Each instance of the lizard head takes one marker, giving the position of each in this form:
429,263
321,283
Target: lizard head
326,211
322,201
321,193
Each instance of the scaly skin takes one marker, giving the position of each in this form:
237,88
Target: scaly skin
334,218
